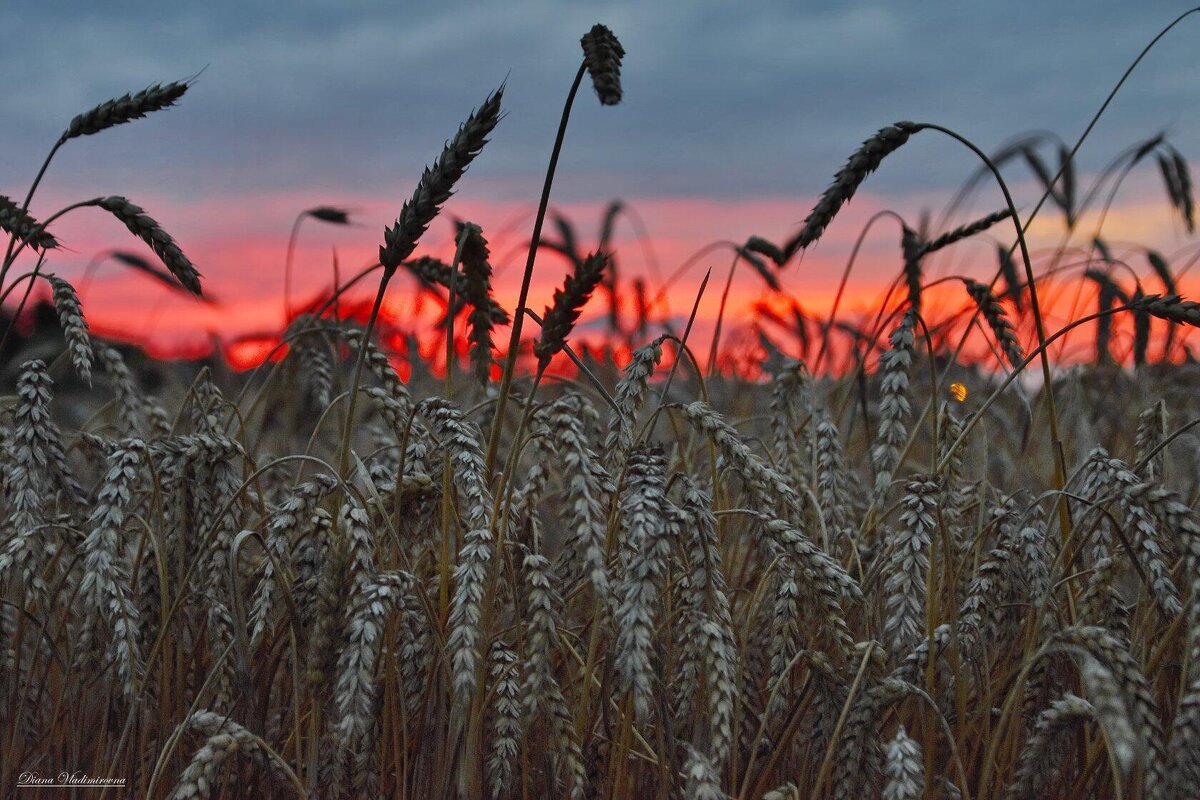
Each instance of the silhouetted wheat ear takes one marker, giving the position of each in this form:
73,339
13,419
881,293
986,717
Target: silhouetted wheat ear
910,245
1012,283
1141,332
1171,307
1039,168
434,272
1187,208
568,303
1067,177
125,109
602,55
966,231
1110,292
477,290
134,261
334,216
847,180
989,306
761,268
23,227
757,244
437,183
1162,269
145,228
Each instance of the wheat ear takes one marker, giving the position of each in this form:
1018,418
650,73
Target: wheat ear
602,55
149,231
17,222
847,180
124,109
437,183
75,328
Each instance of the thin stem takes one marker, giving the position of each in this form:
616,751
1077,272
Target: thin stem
287,267
841,290
1075,149
24,298
9,256
344,461
1039,325
514,340
978,415
10,260
716,340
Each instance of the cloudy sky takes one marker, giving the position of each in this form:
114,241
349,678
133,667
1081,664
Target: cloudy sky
735,118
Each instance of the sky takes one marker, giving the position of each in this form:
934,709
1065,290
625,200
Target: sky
735,118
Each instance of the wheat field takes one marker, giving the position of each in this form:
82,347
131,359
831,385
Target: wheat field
876,570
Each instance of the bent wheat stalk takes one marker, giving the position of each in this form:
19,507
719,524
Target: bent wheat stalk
602,55
399,240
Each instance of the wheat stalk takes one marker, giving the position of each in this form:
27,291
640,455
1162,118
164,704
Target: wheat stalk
477,290
1039,762
544,618
847,180
125,108
965,231
432,272
905,771
894,405
506,718
18,223
1123,700
588,492
75,328
224,738
466,636
437,183
375,600
702,780
913,250
38,464
646,537
106,572
989,306
569,301
829,467
143,226
629,397
602,55
908,565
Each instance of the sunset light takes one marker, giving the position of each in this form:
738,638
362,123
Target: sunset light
686,400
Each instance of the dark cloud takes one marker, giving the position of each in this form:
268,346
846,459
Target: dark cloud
723,99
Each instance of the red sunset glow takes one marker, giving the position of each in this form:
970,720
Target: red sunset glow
690,399
240,247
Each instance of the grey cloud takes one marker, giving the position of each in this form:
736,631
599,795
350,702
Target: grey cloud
722,99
